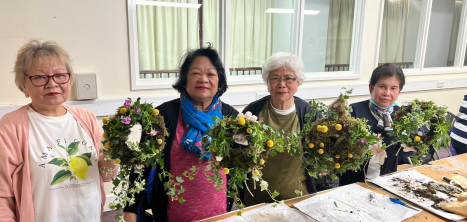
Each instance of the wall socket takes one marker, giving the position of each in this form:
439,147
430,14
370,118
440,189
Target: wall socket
440,84
86,86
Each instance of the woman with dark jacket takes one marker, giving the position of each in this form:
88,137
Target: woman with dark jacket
201,83
385,85
283,73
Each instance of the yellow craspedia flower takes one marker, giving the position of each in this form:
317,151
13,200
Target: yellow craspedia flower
132,160
155,112
117,161
338,127
105,120
319,128
337,165
417,139
226,170
311,145
338,156
320,151
216,162
241,121
122,110
79,167
261,162
107,145
324,129
105,135
249,130
270,143
159,141
256,172
350,155
413,103
321,144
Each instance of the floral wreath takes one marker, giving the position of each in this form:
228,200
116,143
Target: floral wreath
240,146
129,155
418,125
337,142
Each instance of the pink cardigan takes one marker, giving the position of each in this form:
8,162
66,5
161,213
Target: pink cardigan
16,202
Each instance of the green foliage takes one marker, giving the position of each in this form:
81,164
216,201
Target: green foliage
134,157
414,116
244,162
335,143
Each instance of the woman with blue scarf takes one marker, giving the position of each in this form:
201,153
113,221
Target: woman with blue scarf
201,82
385,85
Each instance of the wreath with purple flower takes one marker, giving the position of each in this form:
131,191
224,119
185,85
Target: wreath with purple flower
133,156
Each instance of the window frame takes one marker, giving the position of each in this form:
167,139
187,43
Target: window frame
224,49
420,53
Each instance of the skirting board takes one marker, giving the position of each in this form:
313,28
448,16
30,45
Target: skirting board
109,106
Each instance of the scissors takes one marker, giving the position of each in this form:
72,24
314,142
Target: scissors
397,201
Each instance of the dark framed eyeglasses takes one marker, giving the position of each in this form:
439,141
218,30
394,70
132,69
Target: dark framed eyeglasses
42,80
277,80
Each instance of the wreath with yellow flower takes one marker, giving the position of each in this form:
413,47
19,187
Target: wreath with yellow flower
418,125
337,142
131,156
240,146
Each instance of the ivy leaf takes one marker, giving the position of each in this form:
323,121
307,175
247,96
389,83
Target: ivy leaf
61,176
58,162
182,190
171,192
239,213
115,182
275,194
264,185
180,179
181,200
72,148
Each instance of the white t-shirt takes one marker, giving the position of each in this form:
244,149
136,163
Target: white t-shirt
65,179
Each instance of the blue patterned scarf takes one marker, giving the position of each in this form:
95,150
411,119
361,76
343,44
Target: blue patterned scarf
198,123
384,119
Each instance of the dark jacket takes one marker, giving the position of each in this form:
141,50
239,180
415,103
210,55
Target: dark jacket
170,111
362,110
302,107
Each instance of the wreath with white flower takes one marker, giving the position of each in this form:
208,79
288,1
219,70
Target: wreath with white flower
133,157
418,125
337,142
239,147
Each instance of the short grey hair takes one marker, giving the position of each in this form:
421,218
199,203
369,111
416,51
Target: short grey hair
34,50
289,60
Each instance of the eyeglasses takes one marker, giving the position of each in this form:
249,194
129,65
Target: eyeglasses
42,80
277,80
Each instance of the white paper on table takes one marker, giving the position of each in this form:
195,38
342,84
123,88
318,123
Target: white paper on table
353,204
268,213
387,183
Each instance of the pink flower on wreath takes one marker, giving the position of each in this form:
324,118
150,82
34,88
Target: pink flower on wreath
127,103
126,120
152,133
363,140
138,110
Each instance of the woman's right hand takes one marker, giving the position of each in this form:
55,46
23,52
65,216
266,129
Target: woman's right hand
129,217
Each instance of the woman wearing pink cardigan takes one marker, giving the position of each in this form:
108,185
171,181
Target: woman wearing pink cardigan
49,152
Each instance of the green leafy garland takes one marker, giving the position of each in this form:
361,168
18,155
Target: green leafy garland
337,142
133,157
240,146
409,121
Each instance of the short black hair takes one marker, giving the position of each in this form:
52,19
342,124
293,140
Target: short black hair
388,70
190,57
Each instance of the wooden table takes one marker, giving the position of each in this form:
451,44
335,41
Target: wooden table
422,216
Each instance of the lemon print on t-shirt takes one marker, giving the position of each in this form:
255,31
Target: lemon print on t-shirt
73,167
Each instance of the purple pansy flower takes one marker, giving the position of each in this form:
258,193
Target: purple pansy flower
363,141
152,133
138,110
127,103
125,120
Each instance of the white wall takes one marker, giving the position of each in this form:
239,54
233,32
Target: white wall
439,36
